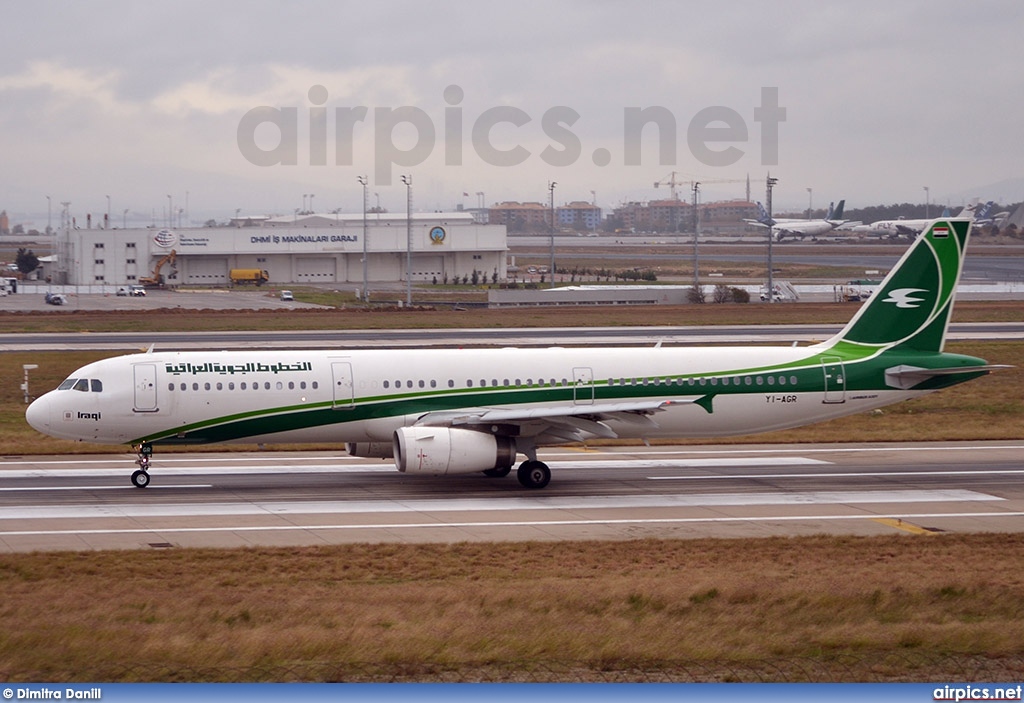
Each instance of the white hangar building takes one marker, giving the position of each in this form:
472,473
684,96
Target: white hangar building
305,249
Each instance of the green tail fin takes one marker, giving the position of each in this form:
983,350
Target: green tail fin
913,305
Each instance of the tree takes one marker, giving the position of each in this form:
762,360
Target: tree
695,294
26,261
721,294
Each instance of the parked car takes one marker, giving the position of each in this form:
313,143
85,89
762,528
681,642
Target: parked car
287,295
122,291
136,291
56,299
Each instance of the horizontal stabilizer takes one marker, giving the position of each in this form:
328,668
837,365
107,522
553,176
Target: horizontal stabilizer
905,377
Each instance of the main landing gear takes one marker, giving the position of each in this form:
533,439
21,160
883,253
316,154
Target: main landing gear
531,473
143,453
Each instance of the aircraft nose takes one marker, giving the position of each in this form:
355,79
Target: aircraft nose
38,415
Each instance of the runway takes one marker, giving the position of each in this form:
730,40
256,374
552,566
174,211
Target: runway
318,498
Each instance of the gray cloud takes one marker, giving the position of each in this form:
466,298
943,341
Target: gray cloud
142,99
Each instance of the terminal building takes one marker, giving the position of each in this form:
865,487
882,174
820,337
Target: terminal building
314,248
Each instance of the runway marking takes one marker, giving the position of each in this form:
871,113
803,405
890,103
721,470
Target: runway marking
851,474
171,459
36,489
489,524
901,524
158,470
710,500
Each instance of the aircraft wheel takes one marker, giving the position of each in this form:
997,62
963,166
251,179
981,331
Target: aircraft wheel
498,473
533,474
140,479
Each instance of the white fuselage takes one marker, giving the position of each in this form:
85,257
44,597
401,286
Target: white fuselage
364,396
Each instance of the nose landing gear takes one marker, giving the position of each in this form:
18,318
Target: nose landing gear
140,478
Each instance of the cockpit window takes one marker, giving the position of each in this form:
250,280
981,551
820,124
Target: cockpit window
82,384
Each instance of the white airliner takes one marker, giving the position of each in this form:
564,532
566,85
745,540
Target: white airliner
912,228
460,411
800,228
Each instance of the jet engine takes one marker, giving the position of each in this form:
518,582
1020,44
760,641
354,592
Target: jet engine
443,450
372,450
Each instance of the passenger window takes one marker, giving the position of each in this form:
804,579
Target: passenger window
170,386
314,385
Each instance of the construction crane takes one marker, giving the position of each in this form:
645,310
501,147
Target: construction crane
673,183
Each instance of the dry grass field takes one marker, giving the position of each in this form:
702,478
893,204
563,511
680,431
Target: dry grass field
901,608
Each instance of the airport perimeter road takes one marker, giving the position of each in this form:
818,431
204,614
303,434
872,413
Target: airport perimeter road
283,499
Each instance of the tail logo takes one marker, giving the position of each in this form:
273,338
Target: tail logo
903,297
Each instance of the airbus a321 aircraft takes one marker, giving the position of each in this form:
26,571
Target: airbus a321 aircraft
460,411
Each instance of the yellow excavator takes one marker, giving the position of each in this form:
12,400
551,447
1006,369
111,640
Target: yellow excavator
156,278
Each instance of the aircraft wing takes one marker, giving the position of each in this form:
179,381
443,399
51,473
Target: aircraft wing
903,229
566,421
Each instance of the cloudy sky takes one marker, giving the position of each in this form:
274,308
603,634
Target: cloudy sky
212,102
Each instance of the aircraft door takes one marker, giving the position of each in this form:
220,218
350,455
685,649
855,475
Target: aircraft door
145,388
583,386
835,379
344,390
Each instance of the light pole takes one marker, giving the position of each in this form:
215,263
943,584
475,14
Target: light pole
106,223
551,269
407,180
810,202
927,202
769,184
49,213
311,196
170,212
696,236
366,297
124,219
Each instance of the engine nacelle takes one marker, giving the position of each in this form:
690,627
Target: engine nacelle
442,450
372,450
